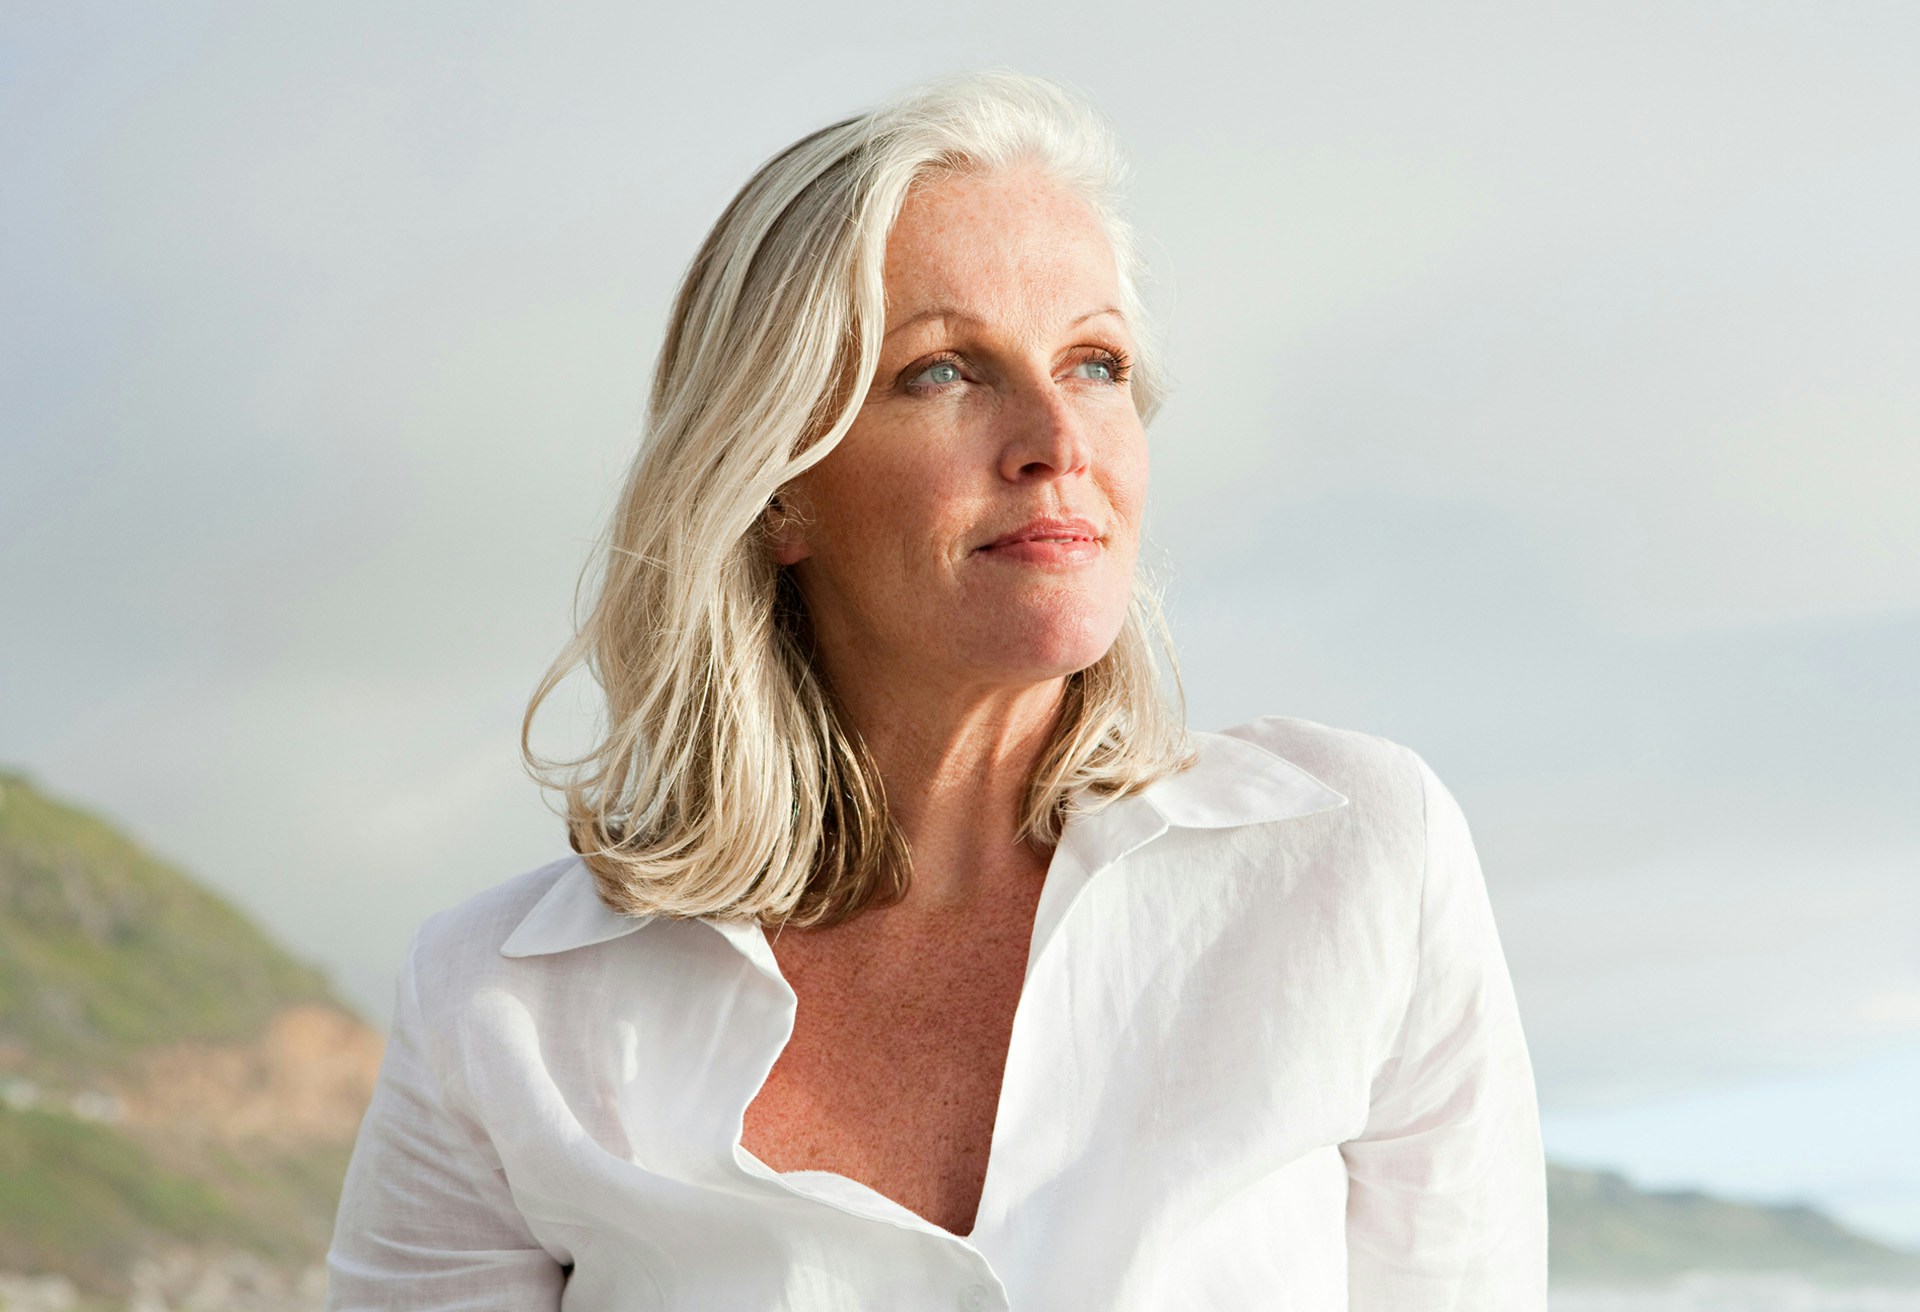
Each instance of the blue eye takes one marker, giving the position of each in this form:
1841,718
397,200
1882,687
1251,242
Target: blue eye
939,373
1109,367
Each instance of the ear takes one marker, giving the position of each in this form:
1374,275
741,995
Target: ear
785,541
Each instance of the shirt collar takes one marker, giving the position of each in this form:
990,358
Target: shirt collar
1234,782
1238,782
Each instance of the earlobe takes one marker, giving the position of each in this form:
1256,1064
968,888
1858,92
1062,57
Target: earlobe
785,542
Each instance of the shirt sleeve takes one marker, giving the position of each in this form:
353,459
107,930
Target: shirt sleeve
1446,1199
426,1220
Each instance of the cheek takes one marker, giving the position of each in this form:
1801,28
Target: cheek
1127,479
889,514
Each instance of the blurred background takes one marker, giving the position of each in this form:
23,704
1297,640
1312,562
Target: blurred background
1545,401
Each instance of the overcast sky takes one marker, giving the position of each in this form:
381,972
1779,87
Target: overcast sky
1546,401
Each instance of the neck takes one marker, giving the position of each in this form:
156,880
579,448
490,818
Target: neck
955,762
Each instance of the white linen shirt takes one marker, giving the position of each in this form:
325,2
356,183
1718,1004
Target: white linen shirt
1266,1056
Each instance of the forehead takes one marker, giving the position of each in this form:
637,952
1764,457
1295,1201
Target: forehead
991,242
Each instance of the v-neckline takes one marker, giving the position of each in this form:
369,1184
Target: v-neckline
1063,880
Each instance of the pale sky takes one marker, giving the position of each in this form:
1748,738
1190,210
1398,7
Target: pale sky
1546,402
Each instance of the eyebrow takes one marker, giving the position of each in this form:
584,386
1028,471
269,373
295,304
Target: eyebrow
949,312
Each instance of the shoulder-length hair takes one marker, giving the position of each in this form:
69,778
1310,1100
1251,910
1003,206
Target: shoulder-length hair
727,783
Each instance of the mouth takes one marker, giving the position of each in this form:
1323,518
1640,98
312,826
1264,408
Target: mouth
1046,547
1052,534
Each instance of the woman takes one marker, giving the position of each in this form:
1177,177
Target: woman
915,955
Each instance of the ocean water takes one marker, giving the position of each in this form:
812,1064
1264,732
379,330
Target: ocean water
1734,1293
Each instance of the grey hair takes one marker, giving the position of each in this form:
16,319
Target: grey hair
726,783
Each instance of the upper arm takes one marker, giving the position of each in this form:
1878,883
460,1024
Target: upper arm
426,1220
1447,1183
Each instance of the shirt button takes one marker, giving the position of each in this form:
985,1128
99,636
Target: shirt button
975,1298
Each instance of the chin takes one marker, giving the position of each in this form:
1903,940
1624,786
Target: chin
1047,647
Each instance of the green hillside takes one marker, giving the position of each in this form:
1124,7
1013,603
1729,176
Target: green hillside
105,948
1602,1228
109,955
80,1199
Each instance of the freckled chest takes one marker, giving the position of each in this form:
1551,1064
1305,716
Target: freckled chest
892,1075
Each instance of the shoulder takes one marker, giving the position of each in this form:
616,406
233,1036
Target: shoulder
461,944
1379,776
1399,813
1399,807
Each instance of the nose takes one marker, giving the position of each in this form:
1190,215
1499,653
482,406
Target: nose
1045,438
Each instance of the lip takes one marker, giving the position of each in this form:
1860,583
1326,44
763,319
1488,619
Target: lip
1051,544
1076,533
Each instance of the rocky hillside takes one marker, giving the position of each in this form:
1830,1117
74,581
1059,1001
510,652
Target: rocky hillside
178,1096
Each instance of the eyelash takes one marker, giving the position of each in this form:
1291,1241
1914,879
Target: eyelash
1118,363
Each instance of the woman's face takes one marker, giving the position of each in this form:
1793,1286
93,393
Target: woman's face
1001,400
